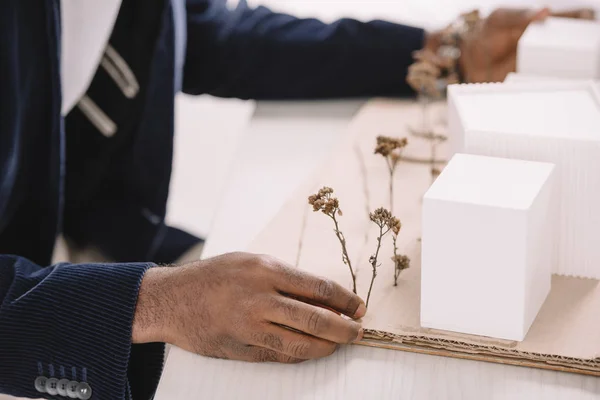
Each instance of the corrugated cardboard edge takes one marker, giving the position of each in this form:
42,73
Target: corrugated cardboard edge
404,344
454,348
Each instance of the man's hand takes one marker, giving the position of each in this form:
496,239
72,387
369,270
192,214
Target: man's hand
246,307
490,52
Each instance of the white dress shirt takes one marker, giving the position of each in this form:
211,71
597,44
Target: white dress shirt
86,29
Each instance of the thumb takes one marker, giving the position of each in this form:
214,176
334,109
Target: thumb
515,18
538,15
522,21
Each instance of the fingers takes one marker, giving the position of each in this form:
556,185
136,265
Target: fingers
516,18
582,13
261,355
521,18
314,321
292,344
320,291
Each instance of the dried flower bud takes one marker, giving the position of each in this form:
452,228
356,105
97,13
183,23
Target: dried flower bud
382,149
381,217
401,262
324,191
395,225
322,201
386,146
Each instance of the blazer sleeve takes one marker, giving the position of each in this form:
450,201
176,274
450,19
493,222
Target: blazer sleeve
259,54
73,321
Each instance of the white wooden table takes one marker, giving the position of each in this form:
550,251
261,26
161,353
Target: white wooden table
283,145
276,154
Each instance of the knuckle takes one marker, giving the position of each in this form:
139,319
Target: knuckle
280,269
317,322
269,340
287,308
260,260
247,264
324,289
264,355
500,14
299,349
269,263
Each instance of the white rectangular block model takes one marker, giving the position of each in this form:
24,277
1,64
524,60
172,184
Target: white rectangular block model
514,77
486,246
548,122
560,47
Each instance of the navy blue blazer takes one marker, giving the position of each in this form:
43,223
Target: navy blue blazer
100,176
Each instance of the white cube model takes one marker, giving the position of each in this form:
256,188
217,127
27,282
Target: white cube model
487,246
560,47
548,122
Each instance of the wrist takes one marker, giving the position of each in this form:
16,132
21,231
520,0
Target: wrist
155,309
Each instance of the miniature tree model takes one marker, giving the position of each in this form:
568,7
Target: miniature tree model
401,262
384,220
325,202
391,150
434,140
425,77
330,206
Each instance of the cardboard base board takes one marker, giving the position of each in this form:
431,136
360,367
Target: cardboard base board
565,336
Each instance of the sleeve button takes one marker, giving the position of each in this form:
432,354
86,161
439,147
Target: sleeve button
51,386
84,391
40,384
72,389
62,386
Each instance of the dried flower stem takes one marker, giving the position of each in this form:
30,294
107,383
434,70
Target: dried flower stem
345,256
434,140
330,206
396,269
391,150
401,262
391,169
373,261
415,160
424,100
386,222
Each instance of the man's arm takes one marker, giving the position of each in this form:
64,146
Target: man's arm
259,54
73,322
77,321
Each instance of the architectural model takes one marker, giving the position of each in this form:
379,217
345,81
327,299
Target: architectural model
487,246
562,48
564,336
549,122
